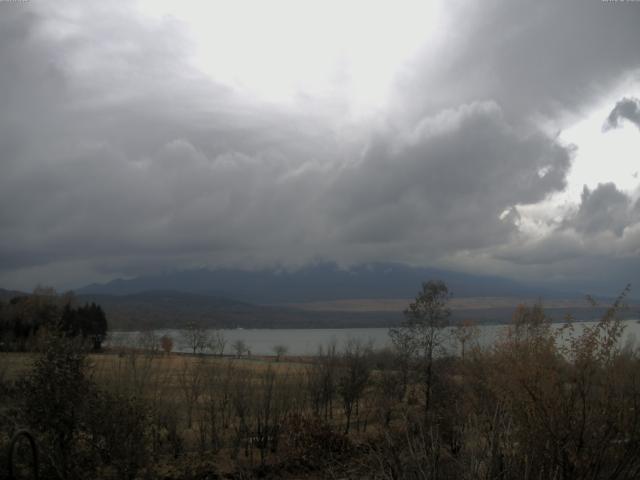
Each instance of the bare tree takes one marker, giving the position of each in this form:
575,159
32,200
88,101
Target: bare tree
191,383
217,399
404,349
217,342
240,347
388,388
265,412
132,372
148,342
242,401
196,337
280,351
353,377
321,379
465,332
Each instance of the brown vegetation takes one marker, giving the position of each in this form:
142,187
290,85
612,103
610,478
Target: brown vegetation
542,402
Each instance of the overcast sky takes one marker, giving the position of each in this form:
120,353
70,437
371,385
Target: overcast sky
493,137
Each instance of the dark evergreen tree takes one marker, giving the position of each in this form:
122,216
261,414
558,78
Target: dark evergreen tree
94,325
22,317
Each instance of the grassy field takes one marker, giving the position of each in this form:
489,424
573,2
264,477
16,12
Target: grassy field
14,365
203,409
104,366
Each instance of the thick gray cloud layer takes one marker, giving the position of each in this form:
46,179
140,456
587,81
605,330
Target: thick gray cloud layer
625,109
453,173
543,57
118,157
596,247
603,209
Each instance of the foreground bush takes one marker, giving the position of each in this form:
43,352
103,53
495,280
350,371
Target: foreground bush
82,432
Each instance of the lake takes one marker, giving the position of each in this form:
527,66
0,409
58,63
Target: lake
307,341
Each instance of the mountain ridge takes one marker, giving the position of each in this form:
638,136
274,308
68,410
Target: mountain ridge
174,309
321,282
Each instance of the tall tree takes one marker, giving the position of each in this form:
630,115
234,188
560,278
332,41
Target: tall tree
423,332
94,324
354,377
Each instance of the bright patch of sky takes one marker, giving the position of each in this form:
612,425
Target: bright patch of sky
288,50
601,156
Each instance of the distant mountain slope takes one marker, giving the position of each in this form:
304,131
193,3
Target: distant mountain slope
158,308
9,294
171,309
319,283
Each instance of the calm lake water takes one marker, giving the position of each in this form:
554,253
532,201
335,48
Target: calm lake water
307,341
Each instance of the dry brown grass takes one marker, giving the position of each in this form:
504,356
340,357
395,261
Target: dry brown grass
14,365
110,367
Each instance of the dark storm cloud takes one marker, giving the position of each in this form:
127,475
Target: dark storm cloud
625,109
141,157
604,209
596,247
118,157
546,251
544,56
463,170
